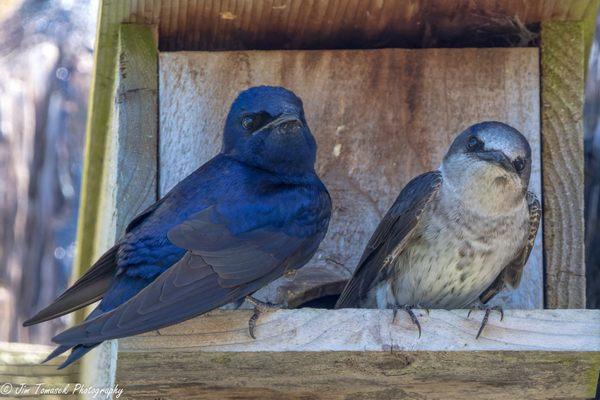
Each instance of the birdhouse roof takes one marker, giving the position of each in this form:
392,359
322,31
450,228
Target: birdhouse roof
320,24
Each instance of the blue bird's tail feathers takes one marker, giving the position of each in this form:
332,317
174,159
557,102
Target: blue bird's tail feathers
77,351
90,288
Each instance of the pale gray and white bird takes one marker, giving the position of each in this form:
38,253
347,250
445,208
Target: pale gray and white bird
456,236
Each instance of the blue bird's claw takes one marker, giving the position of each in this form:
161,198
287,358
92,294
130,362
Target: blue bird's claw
259,308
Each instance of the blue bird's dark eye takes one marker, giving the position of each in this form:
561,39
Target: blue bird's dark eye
474,144
248,122
255,121
519,164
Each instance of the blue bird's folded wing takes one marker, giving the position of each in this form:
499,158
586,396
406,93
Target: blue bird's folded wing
218,268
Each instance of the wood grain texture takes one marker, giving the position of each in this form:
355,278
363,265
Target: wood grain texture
358,376
136,118
360,354
326,24
310,329
20,365
98,127
380,117
129,182
563,79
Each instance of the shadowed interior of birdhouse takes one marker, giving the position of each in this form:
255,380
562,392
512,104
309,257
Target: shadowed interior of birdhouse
380,117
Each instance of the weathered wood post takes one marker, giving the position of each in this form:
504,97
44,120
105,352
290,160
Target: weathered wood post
129,172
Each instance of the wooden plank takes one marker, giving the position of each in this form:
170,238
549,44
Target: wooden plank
98,125
327,24
20,368
563,79
359,375
136,109
129,179
308,329
321,354
418,100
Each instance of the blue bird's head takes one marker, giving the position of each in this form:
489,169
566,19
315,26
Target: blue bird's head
266,128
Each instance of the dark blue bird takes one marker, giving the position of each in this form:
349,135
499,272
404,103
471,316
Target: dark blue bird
238,222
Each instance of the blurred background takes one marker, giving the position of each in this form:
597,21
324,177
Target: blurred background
46,60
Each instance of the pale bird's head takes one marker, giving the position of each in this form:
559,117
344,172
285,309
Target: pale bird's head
491,161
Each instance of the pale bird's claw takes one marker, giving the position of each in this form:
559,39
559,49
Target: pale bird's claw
486,316
411,314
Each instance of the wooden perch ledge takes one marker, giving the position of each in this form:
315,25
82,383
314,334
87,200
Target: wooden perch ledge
372,330
360,354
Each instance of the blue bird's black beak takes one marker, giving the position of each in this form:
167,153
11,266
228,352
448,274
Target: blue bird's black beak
497,157
286,121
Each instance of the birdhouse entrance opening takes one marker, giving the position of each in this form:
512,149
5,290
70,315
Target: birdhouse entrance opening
380,117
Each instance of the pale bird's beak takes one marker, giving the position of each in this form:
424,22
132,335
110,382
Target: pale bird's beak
497,157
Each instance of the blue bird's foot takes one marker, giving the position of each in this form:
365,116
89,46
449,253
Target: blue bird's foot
486,316
259,308
411,314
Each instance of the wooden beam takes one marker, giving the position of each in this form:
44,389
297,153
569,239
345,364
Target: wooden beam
359,375
129,179
308,329
328,24
98,127
323,354
563,79
136,124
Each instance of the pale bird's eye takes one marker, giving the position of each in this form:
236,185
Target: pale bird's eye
248,123
519,164
474,144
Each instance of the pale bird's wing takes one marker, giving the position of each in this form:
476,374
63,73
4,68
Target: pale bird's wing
391,235
218,268
512,273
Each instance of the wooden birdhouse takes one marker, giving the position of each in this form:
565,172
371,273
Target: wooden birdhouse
386,85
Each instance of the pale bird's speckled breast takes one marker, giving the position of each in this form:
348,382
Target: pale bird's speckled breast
453,256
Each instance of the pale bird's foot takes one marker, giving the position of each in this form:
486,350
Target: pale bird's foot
411,314
259,308
290,273
486,316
